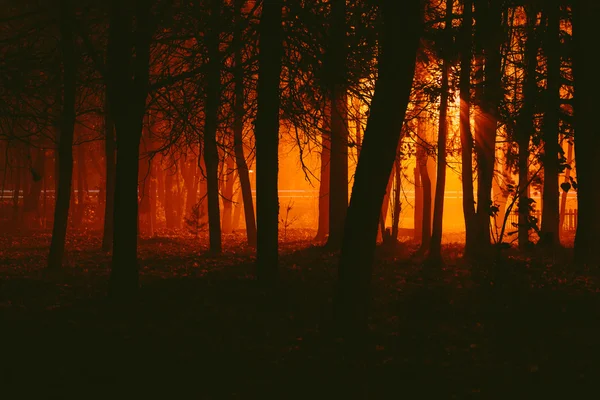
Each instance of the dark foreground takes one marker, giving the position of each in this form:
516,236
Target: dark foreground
523,327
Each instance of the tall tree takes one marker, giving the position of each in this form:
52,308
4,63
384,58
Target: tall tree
238,129
435,248
466,137
66,131
552,149
396,65
127,78
488,36
109,205
338,166
324,175
211,121
587,134
425,178
267,140
525,123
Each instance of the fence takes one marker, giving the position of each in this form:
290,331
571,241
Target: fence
569,219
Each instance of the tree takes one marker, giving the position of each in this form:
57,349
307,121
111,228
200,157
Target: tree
127,78
488,36
338,166
466,137
587,136
525,124
66,131
552,149
267,140
435,248
211,122
238,131
109,206
399,43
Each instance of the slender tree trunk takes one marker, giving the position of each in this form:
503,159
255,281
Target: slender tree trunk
550,202
211,155
161,188
238,131
31,203
397,203
237,212
5,173
358,125
242,167
152,195
435,248
489,35
79,211
190,178
422,159
418,207
170,207
399,43
466,138
144,178
338,182
16,194
587,135
228,194
525,125
203,192
65,141
127,92
563,197
267,141
381,235
324,185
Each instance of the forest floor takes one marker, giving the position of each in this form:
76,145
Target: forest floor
522,326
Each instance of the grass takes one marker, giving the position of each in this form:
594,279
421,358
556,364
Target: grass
520,326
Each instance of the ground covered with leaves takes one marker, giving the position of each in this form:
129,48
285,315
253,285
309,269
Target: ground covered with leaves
519,326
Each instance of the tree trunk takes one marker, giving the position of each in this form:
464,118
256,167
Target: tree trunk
418,207
161,195
435,248
338,181
422,160
563,197
525,125
228,195
65,141
127,92
550,203
80,209
31,203
397,203
211,155
587,135
190,177
466,138
324,186
16,194
238,131
109,205
152,195
488,34
399,43
384,209
170,201
267,141
145,166
237,212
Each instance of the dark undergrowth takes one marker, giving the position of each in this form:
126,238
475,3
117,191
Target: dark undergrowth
517,326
